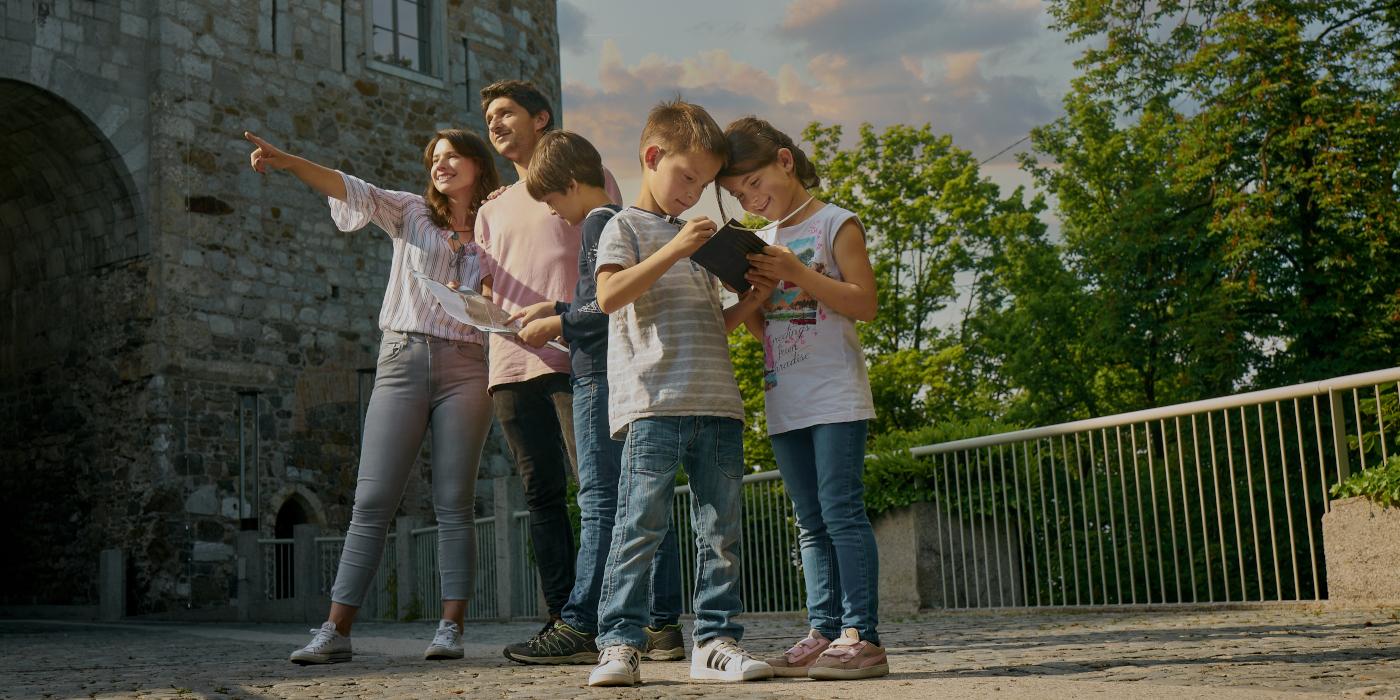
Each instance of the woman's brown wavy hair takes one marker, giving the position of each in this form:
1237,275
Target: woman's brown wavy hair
468,145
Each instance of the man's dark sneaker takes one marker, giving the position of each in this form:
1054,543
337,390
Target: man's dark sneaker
556,644
665,644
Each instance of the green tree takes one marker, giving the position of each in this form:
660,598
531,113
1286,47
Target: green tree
1148,316
930,217
1278,175
1028,333
746,352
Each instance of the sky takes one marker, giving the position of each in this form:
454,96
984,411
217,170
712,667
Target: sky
984,71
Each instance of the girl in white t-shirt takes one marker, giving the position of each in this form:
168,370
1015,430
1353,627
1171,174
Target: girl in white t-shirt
816,391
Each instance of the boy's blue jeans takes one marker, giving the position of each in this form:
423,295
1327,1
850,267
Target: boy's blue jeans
599,469
822,467
711,448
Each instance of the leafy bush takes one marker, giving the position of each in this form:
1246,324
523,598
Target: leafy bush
1381,484
895,478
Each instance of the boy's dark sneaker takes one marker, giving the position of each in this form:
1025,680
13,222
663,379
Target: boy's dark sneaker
665,644
556,644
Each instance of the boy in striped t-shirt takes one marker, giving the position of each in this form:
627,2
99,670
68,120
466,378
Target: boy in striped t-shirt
674,400
566,173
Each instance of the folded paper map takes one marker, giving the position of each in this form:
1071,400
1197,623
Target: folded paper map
473,309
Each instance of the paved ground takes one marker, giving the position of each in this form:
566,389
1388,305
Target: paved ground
1294,652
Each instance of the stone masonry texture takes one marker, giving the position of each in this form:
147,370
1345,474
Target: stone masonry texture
147,276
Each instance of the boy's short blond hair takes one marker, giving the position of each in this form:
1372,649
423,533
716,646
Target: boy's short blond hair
678,126
562,157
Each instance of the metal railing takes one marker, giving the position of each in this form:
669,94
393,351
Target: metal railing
482,604
381,603
771,576
1211,501
770,573
279,581
525,576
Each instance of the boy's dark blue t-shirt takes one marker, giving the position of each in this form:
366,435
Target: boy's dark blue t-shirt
585,325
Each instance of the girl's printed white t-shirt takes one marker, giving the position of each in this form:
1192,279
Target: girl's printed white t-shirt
814,368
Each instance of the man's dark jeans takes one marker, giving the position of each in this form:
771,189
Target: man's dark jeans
537,417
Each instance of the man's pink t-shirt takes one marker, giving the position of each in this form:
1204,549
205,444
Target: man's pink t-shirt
531,255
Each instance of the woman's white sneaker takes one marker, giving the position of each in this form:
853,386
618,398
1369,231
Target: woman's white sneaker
722,659
447,642
618,665
327,647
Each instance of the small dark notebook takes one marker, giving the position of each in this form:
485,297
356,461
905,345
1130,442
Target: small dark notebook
725,254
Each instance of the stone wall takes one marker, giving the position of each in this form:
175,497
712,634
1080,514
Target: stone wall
933,559
212,280
1361,546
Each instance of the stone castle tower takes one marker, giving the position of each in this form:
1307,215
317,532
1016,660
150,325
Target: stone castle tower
186,346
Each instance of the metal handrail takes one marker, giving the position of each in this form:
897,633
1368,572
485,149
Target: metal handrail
770,475
1216,501
1306,389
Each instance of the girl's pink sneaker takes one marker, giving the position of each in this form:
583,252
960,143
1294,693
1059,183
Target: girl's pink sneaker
795,661
849,658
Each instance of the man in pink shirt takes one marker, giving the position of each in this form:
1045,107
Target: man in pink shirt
531,256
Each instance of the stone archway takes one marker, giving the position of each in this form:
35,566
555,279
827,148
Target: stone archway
75,312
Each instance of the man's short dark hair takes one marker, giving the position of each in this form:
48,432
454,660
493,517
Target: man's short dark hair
523,93
562,157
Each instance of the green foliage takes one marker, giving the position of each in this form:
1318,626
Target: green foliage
1258,216
746,352
1227,178
930,216
1380,484
894,478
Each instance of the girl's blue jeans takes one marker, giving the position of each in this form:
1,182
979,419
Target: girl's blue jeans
822,468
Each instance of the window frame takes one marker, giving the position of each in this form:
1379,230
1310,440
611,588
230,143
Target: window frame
436,35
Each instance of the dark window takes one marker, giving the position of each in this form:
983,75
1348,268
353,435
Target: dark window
402,34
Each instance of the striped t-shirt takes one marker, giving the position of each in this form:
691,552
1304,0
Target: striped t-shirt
668,353
418,245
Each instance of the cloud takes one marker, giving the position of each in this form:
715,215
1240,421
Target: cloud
573,25
942,63
611,114
862,28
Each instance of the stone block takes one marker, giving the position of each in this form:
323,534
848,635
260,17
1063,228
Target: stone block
929,559
212,551
1361,543
221,325
40,66
135,25
209,46
49,35
203,501
487,21
175,35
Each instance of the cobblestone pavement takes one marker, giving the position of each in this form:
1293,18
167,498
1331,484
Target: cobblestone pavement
1264,652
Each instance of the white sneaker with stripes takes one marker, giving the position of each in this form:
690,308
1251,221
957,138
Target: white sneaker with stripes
618,665
722,659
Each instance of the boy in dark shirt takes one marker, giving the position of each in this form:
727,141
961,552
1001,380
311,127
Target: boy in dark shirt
566,173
